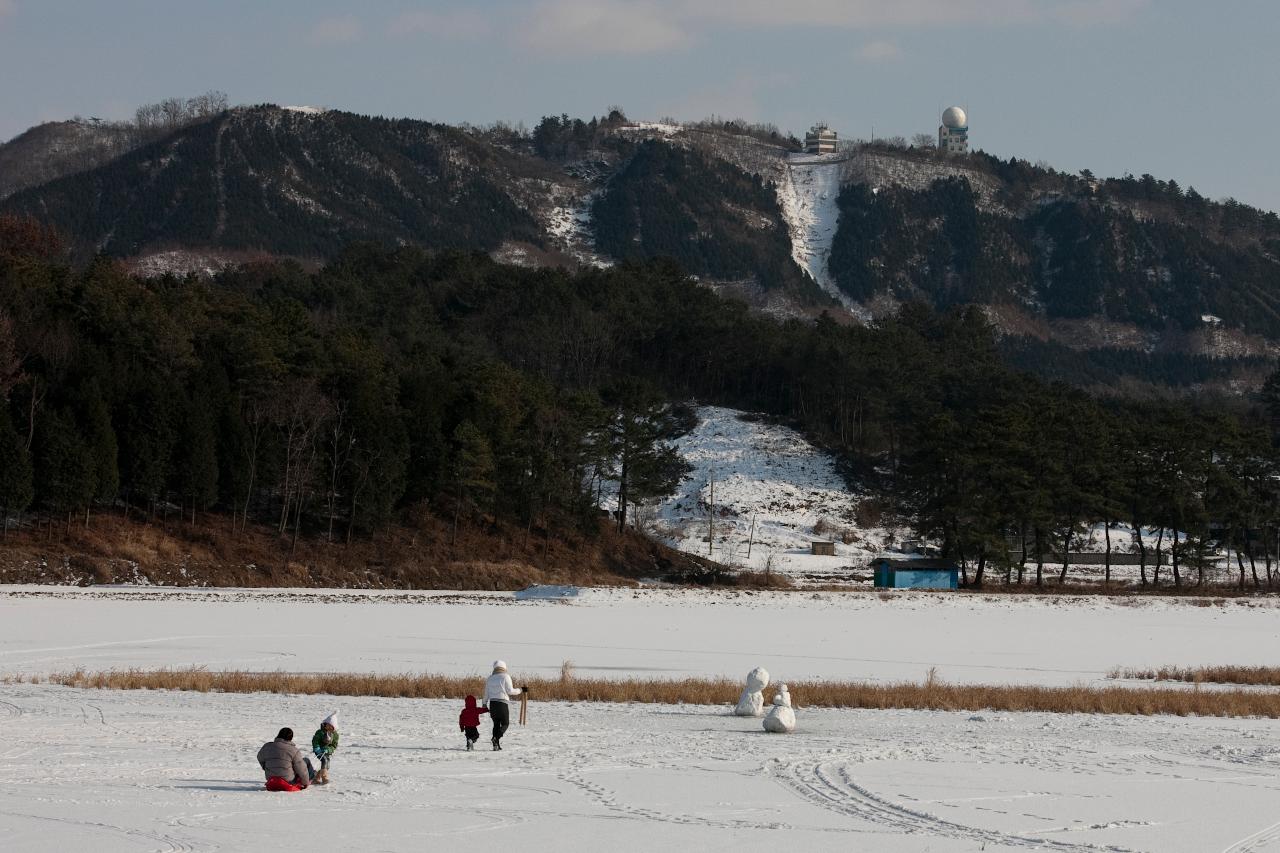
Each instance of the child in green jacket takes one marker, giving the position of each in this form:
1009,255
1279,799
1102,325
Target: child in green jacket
323,744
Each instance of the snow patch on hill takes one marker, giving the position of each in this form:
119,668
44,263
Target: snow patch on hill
771,475
569,224
807,195
180,263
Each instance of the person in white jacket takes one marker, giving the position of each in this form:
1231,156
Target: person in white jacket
498,691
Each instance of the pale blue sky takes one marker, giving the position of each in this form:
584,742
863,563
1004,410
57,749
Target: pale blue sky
1183,89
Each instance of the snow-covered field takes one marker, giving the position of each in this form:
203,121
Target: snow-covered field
771,474
151,770
669,633
142,771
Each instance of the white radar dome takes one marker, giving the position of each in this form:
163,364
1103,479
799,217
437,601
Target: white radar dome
955,117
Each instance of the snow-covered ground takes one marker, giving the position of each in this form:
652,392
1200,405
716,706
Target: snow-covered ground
663,633
569,224
807,195
120,771
771,474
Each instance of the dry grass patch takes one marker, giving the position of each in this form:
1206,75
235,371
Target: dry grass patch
1253,675
762,580
931,694
420,552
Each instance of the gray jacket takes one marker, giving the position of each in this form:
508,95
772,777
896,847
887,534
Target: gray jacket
281,758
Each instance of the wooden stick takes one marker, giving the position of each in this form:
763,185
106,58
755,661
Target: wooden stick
524,708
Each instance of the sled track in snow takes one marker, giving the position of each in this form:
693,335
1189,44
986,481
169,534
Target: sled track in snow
602,796
170,843
575,775
829,786
1260,840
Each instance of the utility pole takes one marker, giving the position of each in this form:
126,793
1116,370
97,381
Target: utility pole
752,537
711,516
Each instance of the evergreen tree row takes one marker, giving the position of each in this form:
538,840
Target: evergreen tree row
328,403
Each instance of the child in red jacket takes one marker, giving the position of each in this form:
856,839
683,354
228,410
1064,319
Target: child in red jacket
469,721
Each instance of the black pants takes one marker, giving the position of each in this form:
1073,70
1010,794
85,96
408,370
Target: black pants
500,713
473,733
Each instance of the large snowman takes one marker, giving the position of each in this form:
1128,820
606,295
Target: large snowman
781,718
751,703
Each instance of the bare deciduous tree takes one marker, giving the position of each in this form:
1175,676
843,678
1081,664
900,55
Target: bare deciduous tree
300,413
340,439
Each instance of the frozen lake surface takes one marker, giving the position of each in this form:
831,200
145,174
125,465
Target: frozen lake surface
156,771
663,633
120,771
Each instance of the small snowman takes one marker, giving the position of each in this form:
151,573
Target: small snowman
751,703
781,719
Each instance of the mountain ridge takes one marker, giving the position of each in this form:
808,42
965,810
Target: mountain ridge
1149,267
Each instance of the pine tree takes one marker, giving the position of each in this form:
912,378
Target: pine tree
16,488
65,468
198,456
473,485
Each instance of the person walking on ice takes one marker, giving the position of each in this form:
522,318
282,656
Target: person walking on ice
498,691
323,743
469,721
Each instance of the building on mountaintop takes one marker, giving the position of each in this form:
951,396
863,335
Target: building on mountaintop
820,140
953,133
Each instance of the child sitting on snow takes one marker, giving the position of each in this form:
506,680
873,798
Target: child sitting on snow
469,721
323,744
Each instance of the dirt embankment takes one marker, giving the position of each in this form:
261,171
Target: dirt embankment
425,555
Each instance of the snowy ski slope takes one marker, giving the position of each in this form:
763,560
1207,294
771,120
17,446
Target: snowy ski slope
772,474
807,195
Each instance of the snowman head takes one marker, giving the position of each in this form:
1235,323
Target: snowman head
782,698
757,679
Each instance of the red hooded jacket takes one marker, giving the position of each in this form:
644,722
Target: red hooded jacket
470,716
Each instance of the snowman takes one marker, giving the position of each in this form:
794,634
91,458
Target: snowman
751,703
781,719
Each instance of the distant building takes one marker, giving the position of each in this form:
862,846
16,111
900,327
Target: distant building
821,548
953,133
820,140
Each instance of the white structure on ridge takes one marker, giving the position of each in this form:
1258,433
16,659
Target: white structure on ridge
953,133
820,140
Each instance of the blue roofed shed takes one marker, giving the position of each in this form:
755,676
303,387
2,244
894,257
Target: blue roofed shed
916,574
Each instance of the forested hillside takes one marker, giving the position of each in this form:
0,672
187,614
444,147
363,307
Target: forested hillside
394,381
289,183
56,149
1128,285
1130,252
712,218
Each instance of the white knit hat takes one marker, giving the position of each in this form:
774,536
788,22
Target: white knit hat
499,666
332,720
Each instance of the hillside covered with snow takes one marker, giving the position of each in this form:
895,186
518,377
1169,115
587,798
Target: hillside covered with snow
764,494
